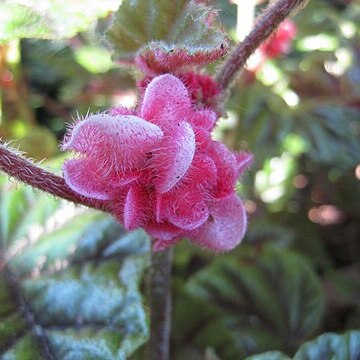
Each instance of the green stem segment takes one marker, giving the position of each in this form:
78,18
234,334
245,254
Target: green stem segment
160,304
264,26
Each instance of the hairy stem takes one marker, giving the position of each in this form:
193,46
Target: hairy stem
160,304
25,171
264,26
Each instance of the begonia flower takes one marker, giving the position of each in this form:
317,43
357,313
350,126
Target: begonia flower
159,169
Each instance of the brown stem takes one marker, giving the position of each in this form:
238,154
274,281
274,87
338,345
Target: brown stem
160,304
264,26
25,171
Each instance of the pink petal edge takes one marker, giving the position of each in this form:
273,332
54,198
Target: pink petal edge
243,160
186,208
173,159
83,176
162,231
116,141
166,101
226,165
135,207
225,227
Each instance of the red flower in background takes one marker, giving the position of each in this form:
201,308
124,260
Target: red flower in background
280,43
275,46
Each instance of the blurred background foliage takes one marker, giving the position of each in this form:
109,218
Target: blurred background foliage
297,274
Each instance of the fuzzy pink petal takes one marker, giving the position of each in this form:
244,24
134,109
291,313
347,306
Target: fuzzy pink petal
166,101
174,157
117,142
202,138
117,203
84,176
162,231
225,227
243,160
227,169
121,110
202,173
136,206
185,208
205,118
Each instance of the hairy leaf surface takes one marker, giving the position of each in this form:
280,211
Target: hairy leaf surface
167,33
268,298
69,281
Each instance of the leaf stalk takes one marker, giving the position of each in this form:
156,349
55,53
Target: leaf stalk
265,25
25,171
160,304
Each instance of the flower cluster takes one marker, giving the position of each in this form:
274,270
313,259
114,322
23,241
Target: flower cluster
159,169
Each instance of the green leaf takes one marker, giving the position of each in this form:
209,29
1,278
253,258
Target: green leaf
69,281
94,59
274,182
331,346
16,218
20,21
48,19
39,143
332,136
263,120
268,298
166,32
345,285
23,349
270,355
326,346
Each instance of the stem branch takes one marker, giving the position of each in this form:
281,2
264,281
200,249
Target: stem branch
25,171
160,304
264,26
